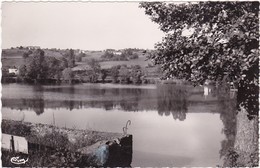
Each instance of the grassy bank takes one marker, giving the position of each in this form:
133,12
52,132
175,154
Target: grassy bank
52,136
245,151
52,146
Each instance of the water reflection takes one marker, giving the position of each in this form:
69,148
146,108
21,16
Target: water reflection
172,99
71,103
166,99
106,109
37,103
227,108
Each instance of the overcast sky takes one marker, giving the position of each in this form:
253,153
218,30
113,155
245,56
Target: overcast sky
83,25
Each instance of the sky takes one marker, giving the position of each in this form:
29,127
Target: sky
78,25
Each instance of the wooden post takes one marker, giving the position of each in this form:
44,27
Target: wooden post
12,143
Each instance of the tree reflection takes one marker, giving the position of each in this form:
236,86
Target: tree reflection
129,99
172,99
108,105
71,102
37,101
227,109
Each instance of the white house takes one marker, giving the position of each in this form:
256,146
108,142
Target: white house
117,52
33,47
13,70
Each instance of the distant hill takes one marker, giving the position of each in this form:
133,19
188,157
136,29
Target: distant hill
14,57
6,53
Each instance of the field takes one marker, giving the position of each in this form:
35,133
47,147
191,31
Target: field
12,61
140,61
92,54
7,53
14,57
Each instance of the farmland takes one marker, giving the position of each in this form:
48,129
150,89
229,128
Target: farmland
14,57
17,57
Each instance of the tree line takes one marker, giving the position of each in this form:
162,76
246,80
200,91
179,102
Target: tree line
39,68
125,55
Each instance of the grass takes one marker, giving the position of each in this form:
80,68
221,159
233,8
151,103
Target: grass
245,151
12,61
93,54
13,52
52,146
16,128
42,157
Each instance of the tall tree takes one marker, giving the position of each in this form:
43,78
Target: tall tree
54,68
36,66
79,57
136,74
103,74
124,75
108,55
70,56
210,41
27,54
94,70
68,75
39,67
114,71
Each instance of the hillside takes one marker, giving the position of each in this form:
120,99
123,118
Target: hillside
14,57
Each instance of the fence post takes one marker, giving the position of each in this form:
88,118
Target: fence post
12,143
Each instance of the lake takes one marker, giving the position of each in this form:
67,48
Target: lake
172,125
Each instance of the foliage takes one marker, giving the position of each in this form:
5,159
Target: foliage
103,74
114,72
70,56
80,56
231,158
108,55
121,57
68,75
22,71
26,54
64,63
133,56
136,74
210,41
94,71
124,56
54,68
129,54
4,72
39,67
124,75
17,128
128,51
36,67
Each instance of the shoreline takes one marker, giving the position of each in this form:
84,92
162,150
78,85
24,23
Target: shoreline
94,148
245,152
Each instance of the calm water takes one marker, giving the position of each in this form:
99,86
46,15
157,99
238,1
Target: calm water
171,125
